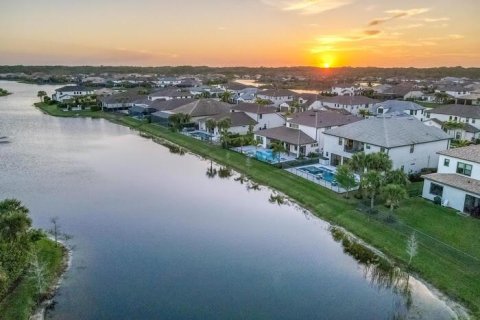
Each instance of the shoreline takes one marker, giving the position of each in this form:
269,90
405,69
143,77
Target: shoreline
226,157
39,312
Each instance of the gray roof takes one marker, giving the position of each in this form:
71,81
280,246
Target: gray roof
203,107
470,153
456,181
277,93
72,88
322,119
162,105
348,100
460,110
288,135
170,92
129,96
398,106
254,108
390,132
236,119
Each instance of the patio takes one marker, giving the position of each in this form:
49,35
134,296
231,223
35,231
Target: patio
264,154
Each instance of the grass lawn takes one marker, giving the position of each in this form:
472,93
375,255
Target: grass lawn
451,261
20,302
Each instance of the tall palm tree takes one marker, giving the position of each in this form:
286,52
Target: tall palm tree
364,113
378,161
14,220
211,124
371,183
277,148
358,163
41,94
393,194
226,96
397,177
211,171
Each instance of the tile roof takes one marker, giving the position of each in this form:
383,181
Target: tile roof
277,93
203,107
395,106
470,153
460,110
254,108
348,100
288,135
389,132
236,119
456,181
322,119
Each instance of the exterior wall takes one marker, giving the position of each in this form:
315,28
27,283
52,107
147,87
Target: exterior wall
453,198
452,167
265,142
266,121
446,117
341,91
276,100
424,154
66,95
352,108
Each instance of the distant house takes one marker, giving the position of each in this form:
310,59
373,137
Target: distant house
265,116
70,92
410,144
293,140
121,101
457,113
169,94
457,181
168,81
417,95
345,90
314,123
454,90
399,108
352,104
248,95
240,122
198,109
277,96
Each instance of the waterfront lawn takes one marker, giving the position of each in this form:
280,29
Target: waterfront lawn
20,303
443,265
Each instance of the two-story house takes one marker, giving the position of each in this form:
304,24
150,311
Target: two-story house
266,117
70,92
467,115
276,96
409,143
457,181
352,104
399,108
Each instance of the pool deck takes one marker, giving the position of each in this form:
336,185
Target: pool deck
316,179
250,151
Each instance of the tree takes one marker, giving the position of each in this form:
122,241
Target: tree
226,96
178,120
453,125
412,248
210,124
378,161
393,194
345,178
277,148
358,163
262,102
371,183
41,94
211,171
397,177
14,220
205,94
364,113
223,126
55,231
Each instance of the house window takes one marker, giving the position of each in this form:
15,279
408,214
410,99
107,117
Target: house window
382,149
465,169
473,120
446,162
367,146
260,116
411,112
450,118
436,189
340,141
412,148
428,115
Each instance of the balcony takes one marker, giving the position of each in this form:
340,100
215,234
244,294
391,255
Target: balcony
352,146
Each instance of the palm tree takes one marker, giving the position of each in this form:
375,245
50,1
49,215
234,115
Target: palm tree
453,125
226,96
378,161
364,113
371,183
277,148
223,126
393,194
178,120
211,124
358,163
397,177
41,94
14,220
345,178
211,171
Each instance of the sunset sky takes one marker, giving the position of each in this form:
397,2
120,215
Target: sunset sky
241,33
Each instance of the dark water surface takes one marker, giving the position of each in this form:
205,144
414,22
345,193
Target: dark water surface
155,238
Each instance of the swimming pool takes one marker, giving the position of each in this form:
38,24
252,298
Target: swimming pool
201,135
320,173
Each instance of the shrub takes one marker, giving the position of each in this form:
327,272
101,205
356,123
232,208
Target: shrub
437,200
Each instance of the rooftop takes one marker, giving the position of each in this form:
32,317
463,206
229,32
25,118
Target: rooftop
277,93
470,153
236,119
348,100
322,119
456,181
288,135
203,107
460,110
72,88
254,108
395,106
390,132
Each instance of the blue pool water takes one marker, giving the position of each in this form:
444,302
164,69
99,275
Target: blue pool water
201,135
320,172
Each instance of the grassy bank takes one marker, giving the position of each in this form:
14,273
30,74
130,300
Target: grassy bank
449,252
20,303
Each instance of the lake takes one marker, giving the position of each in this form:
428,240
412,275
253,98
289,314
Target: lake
155,238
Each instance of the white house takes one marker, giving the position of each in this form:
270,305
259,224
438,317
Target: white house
352,104
455,90
239,123
276,96
345,90
293,140
169,94
168,81
457,181
398,108
410,144
314,123
70,92
457,113
266,117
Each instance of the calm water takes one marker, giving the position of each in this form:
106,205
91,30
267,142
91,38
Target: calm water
155,238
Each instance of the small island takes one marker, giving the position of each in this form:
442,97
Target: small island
4,92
